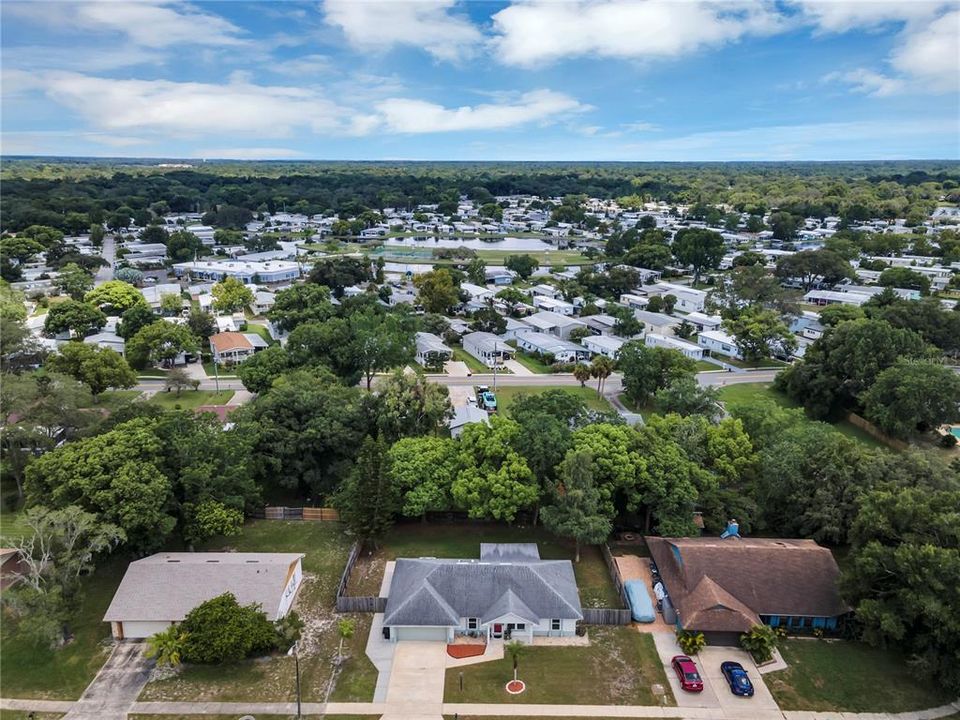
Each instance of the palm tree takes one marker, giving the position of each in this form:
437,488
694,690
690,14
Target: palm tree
166,646
601,368
517,650
582,373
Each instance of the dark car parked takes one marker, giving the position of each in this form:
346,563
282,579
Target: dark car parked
737,679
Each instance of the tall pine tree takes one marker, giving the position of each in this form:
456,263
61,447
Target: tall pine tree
576,511
368,500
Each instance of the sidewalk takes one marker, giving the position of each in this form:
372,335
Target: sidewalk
494,709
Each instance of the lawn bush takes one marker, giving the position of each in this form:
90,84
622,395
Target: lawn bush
221,630
691,642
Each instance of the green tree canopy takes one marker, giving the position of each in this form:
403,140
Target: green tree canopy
576,511
913,396
231,295
160,342
78,318
699,249
115,297
98,368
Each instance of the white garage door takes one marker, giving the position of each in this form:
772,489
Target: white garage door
421,633
133,630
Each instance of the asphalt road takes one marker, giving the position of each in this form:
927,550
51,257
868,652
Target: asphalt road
108,253
613,386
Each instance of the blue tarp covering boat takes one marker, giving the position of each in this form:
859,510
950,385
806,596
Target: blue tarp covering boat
641,606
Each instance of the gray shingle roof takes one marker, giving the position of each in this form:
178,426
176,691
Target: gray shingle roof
470,588
167,586
509,552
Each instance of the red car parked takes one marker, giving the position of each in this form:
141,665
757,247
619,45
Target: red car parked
687,674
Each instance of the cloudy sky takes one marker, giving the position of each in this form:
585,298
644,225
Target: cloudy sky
524,80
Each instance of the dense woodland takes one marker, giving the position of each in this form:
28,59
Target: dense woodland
46,192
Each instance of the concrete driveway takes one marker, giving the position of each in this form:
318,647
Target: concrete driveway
116,687
709,661
716,693
417,676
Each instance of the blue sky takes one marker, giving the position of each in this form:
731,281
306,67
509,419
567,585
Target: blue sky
444,80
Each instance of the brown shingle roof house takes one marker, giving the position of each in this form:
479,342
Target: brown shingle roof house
724,587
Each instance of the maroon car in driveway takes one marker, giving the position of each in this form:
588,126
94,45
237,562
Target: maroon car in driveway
687,673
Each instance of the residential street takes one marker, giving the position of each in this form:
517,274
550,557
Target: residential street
108,253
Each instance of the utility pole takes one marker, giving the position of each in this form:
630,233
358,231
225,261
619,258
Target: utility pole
296,658
216,375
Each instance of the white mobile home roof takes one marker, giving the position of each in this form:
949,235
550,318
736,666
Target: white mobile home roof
166,586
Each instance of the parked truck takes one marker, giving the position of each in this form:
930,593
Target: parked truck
486,400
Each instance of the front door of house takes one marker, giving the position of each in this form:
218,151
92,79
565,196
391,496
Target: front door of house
497,630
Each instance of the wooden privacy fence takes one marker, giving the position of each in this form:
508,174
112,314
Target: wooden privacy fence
300,513
610,616
606,616
363,603
876,433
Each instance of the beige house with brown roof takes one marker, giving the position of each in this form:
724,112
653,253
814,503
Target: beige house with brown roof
723,588
235,347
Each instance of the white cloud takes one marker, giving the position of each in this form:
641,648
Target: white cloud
418,116
925,59
248,153
147,23
837,16
378,25
536,32
161,108
305,65
868,82
193,108
827,141
931,55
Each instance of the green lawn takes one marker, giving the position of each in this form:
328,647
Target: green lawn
12,526
532,363
476,367
31,671
742,392
851,677
113,399
618,668
506,394
463,541
262,332
190,399
152,373
272,679
765,363
704,366
223,372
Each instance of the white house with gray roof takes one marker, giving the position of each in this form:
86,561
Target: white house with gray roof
158,591
508,593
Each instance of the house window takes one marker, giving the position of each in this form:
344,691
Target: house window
520,626
555,624
472,623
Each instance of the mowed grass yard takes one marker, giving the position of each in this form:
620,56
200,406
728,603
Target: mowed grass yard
273,679
849,676
506,394
619,667
462,540
744,392
29,670
191,399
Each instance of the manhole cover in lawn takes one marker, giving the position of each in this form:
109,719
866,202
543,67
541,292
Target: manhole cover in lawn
515,687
